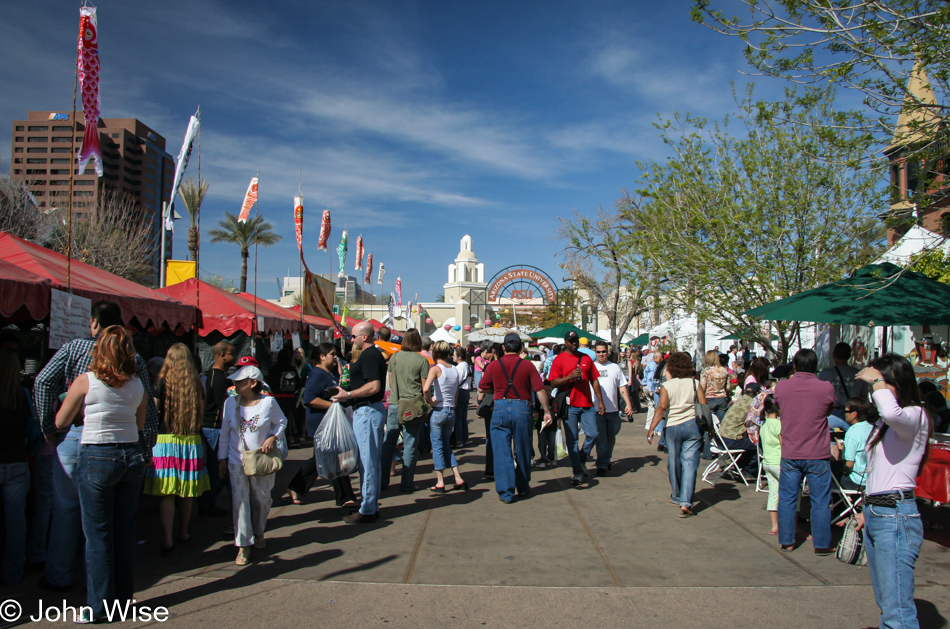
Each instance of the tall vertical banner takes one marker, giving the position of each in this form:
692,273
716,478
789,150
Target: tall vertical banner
341,254
399,290
369,269
250,198
87,61
382,272
183,156
359,253
298,223
324,231
392,311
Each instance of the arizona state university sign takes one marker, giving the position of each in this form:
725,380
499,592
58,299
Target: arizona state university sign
528,275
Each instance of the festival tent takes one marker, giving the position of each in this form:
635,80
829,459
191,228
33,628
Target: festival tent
224,312
318,322
563,328
147,307
917,240
441,334
265,306
643,339
24,296
876,295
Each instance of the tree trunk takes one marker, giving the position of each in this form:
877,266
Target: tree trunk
244,256
193,242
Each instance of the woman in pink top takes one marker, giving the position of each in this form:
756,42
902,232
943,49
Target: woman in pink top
897,447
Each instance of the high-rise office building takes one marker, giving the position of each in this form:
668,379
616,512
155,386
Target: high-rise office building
134,161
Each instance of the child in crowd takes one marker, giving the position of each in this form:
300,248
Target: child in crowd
770,435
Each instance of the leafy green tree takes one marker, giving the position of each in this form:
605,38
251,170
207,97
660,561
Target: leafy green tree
192,195
244,235
602,254
934,264
743,220
864,45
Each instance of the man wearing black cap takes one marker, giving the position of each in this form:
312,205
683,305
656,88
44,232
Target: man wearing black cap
511,381
576,371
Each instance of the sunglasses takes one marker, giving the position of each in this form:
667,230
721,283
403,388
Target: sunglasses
600,351
850,410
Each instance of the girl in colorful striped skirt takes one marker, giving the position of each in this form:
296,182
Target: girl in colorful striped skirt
178,471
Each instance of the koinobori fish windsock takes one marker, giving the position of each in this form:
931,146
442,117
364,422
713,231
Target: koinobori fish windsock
250,198
399,290
324,231
382,272
369,269
88,68
359,253
298,222
341,253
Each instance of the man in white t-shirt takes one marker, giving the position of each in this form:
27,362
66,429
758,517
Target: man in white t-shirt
613,385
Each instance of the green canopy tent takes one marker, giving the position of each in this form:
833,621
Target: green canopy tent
876,295
736,337
563,328
643,339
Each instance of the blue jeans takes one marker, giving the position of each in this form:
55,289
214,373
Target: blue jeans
410,449
511,420
608,425
368,424
718,406
461,416
14,485
441,425
586,418
43,507
892,538
547,444
110,481
65,529
685,444
818,473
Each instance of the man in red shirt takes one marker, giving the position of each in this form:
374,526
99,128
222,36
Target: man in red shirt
511,381
576,371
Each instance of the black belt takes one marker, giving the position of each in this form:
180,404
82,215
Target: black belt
889,499
360,404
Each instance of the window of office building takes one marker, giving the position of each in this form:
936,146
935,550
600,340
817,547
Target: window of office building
36,160
35,171
59,171
59,150
33,138
19,127
36,149
62,128
32,128
58,160
61,139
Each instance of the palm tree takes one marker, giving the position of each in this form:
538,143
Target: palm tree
244,235
192,196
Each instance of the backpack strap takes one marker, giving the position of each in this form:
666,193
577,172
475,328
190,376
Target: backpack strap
511,378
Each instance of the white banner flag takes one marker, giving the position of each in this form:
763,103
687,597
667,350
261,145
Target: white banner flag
183,156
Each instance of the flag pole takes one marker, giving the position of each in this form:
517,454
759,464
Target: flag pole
257,215
197,234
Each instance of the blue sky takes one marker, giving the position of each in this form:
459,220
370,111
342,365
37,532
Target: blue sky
414,122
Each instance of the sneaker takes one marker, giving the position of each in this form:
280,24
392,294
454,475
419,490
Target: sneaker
85,617
360,518
576,481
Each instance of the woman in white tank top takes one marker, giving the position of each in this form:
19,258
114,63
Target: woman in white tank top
445,377
111,465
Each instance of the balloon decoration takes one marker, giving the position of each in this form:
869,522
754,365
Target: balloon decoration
429,321
488,322
438,324
467,328
447,326
457,328
479,325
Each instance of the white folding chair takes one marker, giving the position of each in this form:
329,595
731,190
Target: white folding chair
723,455
841,496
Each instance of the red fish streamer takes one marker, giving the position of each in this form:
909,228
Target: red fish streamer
298,222
359,253
88,68
369,269
250,198
324,231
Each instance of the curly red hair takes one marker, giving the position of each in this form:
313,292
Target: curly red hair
113,357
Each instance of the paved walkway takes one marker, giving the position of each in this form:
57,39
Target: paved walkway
611,553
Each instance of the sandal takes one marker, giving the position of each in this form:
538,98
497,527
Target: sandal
686,512
437,489
243,556
460,486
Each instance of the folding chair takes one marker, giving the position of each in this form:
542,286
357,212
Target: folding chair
723,455
841,496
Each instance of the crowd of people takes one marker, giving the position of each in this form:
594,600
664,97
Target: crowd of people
104,427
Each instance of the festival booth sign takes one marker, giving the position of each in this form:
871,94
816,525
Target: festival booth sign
24,296
141,307
561,329
224,312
